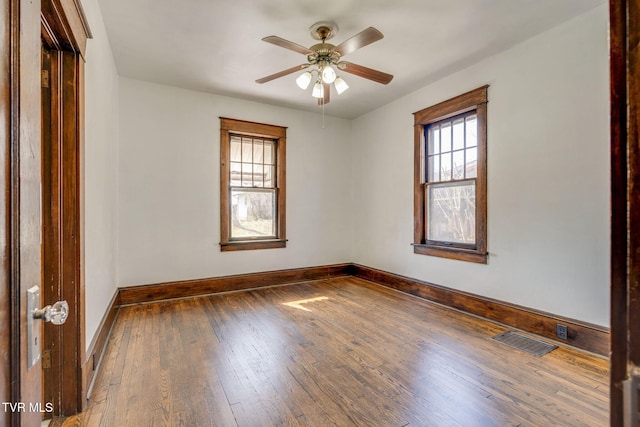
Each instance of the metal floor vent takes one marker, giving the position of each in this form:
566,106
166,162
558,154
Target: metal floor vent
516,340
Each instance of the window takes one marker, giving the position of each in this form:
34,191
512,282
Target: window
252,185
450,178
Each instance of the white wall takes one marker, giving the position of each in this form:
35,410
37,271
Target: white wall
548,176
169,213
350,185
101,173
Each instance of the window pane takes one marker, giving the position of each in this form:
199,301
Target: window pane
269,158
458,134
258,150
472,162
472,131
451,212
445,137
445,167
433,139
252,213
458,164
269,176
235,149
258,175
434,169
235,174
247,150
247,173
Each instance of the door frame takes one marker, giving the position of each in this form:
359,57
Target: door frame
64,31
61,266
624,62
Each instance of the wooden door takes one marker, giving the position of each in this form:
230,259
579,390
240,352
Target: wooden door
20,181
5,274
22,26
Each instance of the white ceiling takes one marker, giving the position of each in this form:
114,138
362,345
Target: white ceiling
215,45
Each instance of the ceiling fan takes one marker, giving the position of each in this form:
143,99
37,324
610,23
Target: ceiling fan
323,57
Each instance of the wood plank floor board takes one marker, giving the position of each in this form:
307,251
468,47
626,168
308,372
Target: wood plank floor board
340,352
243,372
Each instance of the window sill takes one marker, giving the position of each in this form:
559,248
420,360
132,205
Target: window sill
246,245
451,253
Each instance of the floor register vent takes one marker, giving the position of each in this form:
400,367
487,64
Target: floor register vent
530,345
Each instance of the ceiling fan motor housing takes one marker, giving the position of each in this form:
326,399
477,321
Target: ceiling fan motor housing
323,52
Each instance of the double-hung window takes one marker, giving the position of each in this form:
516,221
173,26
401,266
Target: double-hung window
450,179
252,185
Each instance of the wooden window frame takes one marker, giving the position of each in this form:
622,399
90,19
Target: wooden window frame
230,127
472,100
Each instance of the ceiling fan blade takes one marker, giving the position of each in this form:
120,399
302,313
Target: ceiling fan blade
327,94
367,73
362,39
282,73
279,41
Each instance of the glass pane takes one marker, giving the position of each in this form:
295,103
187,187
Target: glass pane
458,134
258,150
445,167
235,149
258,175
247,150
445,136
269,158
458,164
472,131
433,139
247,174
253,214
433,169
270,176
235,173
472,162
451,212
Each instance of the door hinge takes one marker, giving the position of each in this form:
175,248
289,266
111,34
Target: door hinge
46,359
45,79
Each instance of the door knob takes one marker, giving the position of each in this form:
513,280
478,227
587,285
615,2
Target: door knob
56,313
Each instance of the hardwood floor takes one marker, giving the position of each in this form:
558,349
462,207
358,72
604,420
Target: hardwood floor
333,352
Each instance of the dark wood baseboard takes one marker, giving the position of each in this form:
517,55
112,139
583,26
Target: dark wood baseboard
191,288
97,347
581,335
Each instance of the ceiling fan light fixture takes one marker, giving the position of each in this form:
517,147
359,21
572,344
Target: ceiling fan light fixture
304,79
318,90
340,85
324,61
328,74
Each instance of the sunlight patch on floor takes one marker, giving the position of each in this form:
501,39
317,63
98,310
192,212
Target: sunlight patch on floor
298,304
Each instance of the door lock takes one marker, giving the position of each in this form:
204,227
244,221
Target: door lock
56,314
